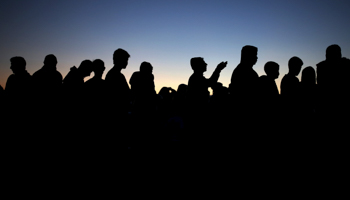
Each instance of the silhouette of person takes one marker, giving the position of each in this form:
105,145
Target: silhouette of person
268,87
332,80
118,95
142,88
17,90
119,90
290,94
244,88
198,95
180,100
95,98
73,86
198,85
47,86
269,95
96,86
74,80
18,84
218,104
290,81
47,80
244,79
308,91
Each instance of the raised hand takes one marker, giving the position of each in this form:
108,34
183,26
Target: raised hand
221,65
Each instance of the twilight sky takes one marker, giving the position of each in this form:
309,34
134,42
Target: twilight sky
169,33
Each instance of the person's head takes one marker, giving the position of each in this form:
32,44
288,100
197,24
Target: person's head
85,68
272,69
182,89
249,55
333,52
18,64
50,60
198,64
308,75
146,67
98,67
294,65
120,58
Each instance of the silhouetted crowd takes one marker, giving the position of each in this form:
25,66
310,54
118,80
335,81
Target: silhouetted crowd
44,109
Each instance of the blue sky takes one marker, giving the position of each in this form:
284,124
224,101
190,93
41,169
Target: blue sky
169,33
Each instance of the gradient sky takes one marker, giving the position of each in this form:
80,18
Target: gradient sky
169,33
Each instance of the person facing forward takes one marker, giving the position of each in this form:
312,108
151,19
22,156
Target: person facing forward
47,80
332,80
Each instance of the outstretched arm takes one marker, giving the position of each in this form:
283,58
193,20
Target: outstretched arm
216,74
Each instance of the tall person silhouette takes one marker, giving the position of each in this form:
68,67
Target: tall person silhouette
308,91
143,88
18,91
244,87
268,89
332,80
95,93
290,87
269,98
47,86
119,90
119,96
73,86
198,95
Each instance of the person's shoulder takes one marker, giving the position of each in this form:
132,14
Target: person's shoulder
321,64
263,77
285,78
111,74
58,73
37,73
12,76
346,60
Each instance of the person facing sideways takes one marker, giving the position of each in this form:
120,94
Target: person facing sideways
18,96
290,89
332,79
198,95
47,80
74,80
95,94
118,88
18,85
267,82
244,79
290,81
96,85
269,95
198,85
